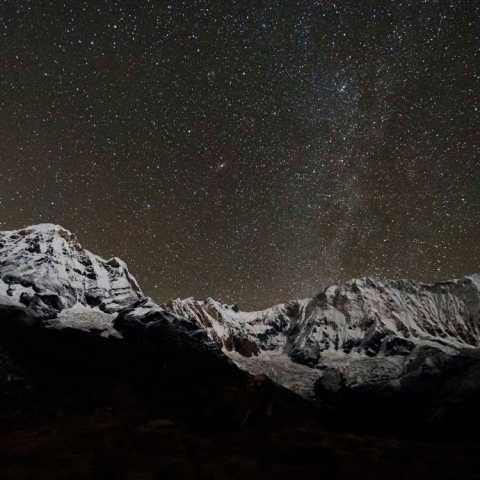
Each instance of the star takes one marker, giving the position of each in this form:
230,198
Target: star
249,154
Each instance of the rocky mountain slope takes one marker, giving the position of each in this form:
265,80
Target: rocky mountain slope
365,316
45,268
370,351
367,334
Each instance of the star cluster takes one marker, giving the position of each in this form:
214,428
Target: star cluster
249,151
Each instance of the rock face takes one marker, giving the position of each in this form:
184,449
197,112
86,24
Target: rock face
76,330
44,268
247,333
363,316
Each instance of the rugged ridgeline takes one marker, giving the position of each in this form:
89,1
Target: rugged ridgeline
363,316
379,352
76,332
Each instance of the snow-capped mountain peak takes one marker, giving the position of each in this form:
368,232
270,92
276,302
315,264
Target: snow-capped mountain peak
45,265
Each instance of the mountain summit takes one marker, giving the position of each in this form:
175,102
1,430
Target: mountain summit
45,268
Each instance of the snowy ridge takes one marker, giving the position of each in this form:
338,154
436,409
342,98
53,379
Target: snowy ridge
247,333
364,332
390,317
44,268
365,316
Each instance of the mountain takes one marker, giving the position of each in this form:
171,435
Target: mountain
379,354
78,335
365,333
45,268
365,316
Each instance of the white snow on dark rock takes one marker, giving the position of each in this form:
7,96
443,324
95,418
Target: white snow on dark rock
44,267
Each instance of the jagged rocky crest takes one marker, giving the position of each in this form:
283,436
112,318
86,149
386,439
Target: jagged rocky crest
365,316
45,268
370,350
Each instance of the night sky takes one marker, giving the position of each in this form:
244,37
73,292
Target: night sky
252,151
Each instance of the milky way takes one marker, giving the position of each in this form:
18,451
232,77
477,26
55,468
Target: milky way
249,153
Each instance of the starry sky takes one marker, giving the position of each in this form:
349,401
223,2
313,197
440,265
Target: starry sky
252,151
